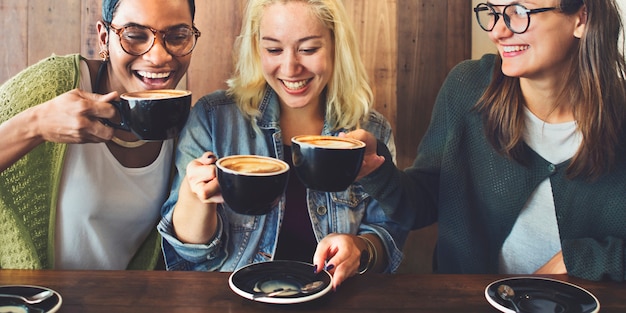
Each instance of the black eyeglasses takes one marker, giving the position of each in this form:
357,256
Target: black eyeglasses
516,16
138,39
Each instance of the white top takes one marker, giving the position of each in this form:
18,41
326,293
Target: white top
106,210
534,239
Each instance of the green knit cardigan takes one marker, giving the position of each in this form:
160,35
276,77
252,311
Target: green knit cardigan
475,194
29,189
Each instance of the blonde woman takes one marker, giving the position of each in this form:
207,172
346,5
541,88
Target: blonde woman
298,71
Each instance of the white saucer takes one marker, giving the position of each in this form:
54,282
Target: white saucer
537,294
270,276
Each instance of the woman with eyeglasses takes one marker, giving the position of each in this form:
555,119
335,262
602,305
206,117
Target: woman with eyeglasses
75,193
523,166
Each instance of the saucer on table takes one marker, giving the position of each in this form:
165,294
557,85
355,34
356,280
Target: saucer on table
12,305
536,294
274,275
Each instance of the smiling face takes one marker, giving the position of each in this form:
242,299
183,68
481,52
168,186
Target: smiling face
545,49
156,69
296,53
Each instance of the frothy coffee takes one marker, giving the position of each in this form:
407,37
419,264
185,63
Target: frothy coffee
251,165
330,142
156,94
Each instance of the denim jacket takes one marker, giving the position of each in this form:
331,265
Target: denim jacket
216,124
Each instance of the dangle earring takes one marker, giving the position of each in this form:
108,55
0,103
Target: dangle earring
104,55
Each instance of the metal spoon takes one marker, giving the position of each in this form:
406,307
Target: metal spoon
308,288
34,299
507,293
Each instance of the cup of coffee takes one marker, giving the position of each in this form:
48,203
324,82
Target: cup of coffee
252,184
153,115
327,163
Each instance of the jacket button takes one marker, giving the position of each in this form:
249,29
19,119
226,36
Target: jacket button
552,168
321,210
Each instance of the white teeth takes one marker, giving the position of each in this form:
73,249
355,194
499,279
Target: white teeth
154,75
295,85
514,48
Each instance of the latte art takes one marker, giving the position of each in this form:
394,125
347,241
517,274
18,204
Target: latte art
330,142
156,94
252,165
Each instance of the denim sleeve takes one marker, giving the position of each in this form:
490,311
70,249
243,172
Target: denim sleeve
392,235
194,140
190,257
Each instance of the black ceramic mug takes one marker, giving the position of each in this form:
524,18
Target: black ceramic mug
252,184
327,163
153,115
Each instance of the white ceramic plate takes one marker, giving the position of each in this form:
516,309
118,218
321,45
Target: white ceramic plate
270,276
11,305
536,294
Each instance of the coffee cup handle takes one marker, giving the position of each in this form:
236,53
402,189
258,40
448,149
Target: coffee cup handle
123,125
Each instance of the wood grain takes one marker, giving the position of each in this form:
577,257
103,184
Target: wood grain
376,28
53,28
14,37
212,61
175,291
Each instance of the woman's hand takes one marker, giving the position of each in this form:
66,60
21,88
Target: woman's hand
340,254
74,117
371,160
555,265
202,179
195,212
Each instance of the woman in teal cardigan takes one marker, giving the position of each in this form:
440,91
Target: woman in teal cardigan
523,166
74,193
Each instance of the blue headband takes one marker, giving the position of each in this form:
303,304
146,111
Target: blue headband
110,6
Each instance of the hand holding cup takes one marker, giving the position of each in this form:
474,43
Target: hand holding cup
202,179
371,159
153,115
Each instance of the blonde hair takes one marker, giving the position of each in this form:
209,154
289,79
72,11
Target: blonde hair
349,97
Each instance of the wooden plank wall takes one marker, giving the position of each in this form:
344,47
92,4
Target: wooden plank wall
408,47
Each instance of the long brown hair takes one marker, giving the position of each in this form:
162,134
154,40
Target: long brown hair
595,88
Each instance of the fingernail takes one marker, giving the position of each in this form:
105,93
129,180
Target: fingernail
329,267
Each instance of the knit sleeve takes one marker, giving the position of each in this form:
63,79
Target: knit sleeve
593,259
38,83
592,224
411,196
29,188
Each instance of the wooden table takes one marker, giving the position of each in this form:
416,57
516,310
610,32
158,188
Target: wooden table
161,291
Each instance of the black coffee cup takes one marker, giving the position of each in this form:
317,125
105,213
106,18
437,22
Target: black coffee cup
153,115
327,163
252,184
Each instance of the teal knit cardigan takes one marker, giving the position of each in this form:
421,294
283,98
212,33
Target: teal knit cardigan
475,194
29,189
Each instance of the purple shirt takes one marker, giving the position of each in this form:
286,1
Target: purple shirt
296,240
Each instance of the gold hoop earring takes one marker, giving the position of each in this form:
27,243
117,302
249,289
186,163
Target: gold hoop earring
104,55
